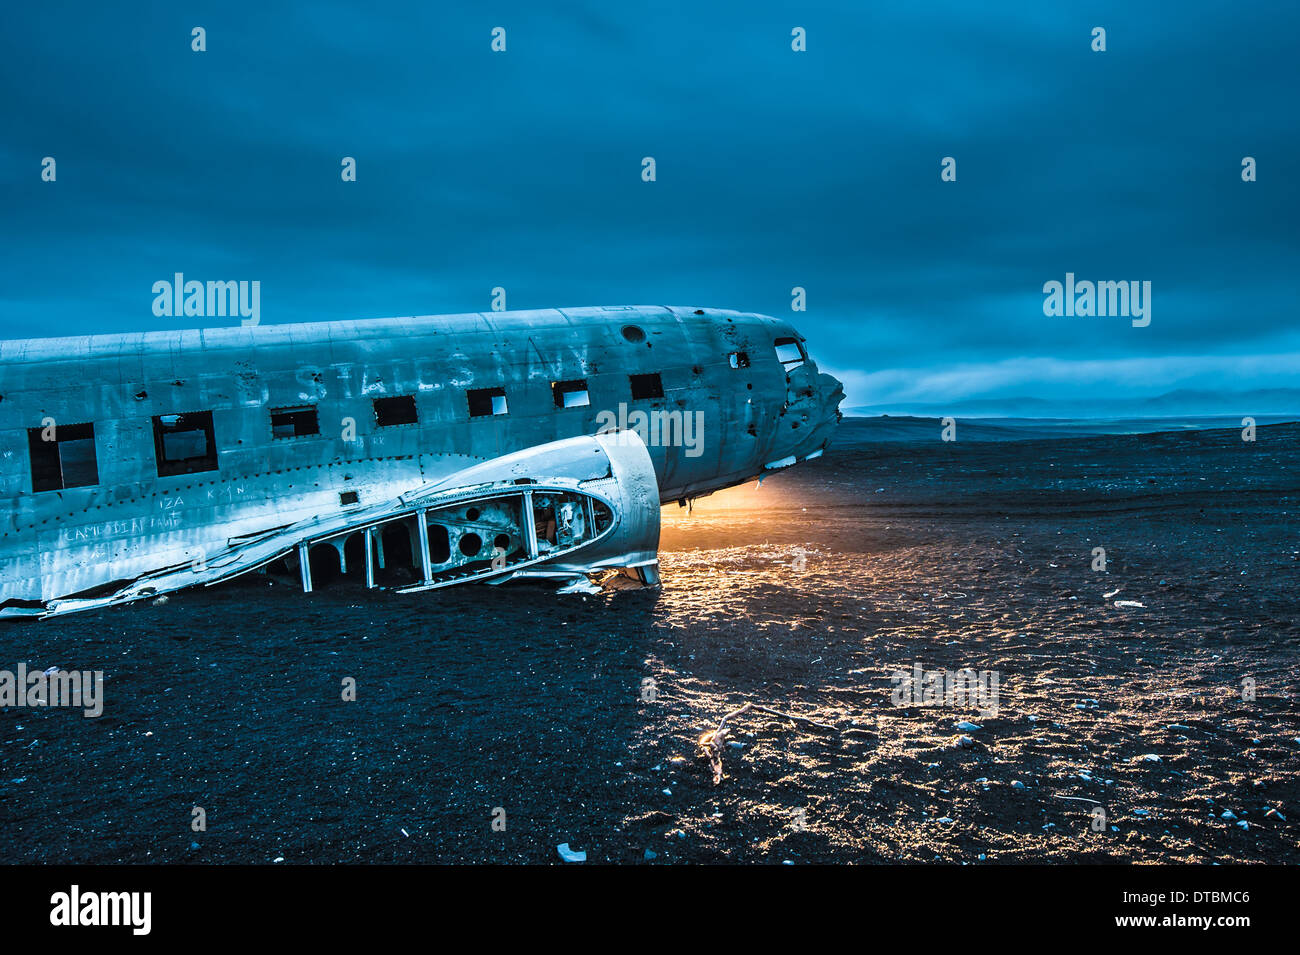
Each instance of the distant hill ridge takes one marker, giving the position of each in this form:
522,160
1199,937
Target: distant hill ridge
1182,402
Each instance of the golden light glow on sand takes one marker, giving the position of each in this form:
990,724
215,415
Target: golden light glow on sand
744,497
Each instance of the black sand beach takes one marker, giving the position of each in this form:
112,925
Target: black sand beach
803,595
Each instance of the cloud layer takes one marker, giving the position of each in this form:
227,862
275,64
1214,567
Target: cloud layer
775,169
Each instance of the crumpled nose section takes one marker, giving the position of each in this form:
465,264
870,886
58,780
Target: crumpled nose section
833,391
809,417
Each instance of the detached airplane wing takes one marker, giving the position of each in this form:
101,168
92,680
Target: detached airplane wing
560,510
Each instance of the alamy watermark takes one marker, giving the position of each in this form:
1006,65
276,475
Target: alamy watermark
83,689
208,299
657,428
960,689
128,909
1123,299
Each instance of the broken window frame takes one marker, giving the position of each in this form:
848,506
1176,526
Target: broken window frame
295,414
53,473
790,362
186,423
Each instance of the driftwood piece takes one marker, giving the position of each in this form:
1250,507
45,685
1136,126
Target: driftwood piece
712,743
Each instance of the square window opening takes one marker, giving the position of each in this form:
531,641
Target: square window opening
738,359
399,409
570,394
184,443
62,457
486,401
646,386
294,422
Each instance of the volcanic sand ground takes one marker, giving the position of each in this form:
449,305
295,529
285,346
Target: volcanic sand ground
804,595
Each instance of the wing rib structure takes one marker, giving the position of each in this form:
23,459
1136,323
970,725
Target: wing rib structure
560,510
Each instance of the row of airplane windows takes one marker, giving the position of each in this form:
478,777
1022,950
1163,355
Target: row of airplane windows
64,456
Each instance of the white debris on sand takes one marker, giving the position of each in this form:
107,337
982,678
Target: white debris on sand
580,585
569,855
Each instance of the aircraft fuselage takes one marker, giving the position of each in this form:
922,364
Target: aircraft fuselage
120,454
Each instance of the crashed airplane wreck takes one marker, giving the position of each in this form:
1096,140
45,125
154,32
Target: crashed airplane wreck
421,452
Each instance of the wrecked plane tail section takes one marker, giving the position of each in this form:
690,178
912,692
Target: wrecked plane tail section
561,510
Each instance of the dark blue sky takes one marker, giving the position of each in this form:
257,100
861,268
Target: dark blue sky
775,169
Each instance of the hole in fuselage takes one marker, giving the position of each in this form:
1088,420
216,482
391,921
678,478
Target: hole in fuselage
471,544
